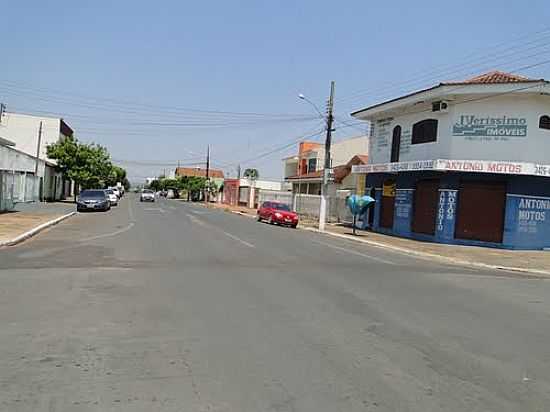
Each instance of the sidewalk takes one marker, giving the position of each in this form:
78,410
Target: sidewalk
28,216
537,262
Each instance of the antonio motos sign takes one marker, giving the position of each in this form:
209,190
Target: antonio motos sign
475,166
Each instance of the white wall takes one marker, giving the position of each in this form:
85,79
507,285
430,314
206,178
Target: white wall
534,147
342,152
23,131
14,160
261,184
290,167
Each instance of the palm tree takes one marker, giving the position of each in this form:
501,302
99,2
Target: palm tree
251,174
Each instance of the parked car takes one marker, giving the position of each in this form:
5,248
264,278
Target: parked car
280,213
116,191
93,199
147,196
113,198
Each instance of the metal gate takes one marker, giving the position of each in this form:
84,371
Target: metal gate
387,205
480,213
425,206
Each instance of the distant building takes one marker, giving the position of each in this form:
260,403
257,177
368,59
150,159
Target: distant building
214,175
305,169
245,192
463,162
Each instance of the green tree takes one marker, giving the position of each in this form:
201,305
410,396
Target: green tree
155,185
251,174
117,175
88,165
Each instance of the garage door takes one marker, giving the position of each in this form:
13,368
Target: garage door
387,204
425,206
480,213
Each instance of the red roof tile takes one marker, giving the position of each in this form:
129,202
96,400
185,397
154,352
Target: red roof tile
494,77
198,172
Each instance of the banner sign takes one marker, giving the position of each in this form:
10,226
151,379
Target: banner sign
471,125
447,165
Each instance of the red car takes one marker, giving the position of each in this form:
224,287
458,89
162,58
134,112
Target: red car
275,212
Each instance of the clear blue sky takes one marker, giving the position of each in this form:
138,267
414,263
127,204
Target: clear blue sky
84,59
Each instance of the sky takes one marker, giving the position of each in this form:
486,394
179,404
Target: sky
156,82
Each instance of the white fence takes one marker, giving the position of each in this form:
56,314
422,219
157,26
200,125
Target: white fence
308,205
275,196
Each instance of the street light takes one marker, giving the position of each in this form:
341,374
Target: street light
302,97
323,206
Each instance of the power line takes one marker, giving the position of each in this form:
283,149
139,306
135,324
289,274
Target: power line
445,68
506,68
110,104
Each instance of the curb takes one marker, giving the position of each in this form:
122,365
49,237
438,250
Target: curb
35,230
427,255
237,212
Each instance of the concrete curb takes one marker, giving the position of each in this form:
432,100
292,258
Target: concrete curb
426,255
242,214
35,230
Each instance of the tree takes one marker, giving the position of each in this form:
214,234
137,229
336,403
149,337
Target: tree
251,174
155,185
88,165
116,175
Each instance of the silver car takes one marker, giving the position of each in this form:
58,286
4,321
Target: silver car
147,196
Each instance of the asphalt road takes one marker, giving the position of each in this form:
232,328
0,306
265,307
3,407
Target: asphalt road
173,307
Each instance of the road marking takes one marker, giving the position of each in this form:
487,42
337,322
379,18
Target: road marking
238,239
195,220
116,232
155,209
197,212
131,212
354,252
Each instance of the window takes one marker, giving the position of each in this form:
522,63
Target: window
424,131
544,122
395,144
281,206
311,165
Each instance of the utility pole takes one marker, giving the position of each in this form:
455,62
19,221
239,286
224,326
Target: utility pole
38,157
207,189
238,171
38,149
326,171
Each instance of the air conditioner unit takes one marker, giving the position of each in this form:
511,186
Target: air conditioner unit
440,106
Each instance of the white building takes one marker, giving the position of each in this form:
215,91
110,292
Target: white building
29,138
463,162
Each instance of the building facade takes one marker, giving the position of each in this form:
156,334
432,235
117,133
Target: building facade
246,192
463,163
305,169
30,139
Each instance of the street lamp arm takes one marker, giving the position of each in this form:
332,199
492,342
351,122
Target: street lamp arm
321,115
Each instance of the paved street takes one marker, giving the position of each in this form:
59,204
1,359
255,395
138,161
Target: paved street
169,306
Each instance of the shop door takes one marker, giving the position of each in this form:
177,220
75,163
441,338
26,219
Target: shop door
480,213
425,206
387,204
371,208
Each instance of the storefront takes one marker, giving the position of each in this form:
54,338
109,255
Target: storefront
463,163
506,210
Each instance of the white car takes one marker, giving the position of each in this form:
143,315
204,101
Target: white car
147,196
113,198
116,192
